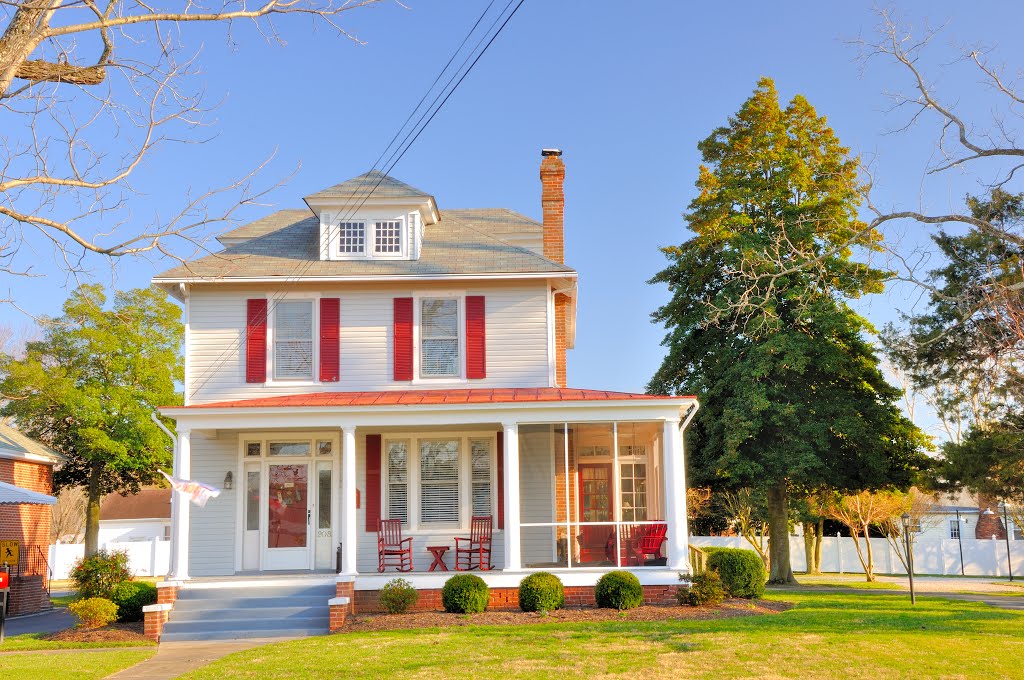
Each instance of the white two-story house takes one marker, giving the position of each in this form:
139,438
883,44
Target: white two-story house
378,356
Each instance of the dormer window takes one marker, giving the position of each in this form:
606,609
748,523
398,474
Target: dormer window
387,237
353,238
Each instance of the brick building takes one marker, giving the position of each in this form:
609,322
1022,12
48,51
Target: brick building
26,482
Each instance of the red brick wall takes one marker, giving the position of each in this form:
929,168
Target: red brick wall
30,526
989,525
366,601
552,199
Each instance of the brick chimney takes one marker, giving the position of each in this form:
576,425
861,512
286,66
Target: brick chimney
990,524
552,199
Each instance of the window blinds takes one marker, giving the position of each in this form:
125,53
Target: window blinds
293,339
439,482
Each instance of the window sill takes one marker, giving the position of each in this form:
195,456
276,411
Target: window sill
280,382
440,380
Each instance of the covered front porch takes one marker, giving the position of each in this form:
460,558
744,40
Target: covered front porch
577,485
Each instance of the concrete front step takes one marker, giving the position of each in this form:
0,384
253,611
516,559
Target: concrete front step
202,614
234,613
245,634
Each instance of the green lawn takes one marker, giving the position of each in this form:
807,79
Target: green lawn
68,666
827,635
33,642
836,581
63,600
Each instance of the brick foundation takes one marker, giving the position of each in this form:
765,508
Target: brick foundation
154,618
28,595
167,592
340,609
507,599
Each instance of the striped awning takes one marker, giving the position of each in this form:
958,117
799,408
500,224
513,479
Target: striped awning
11,494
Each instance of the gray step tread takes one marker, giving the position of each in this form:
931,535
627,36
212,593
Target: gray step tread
252,602
245,634
256,591
245,624
235,613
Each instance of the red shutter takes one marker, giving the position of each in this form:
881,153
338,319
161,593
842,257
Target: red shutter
372,481
330,339
403,338
256,341
476,338
501,480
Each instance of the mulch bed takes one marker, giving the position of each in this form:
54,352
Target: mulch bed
118,632
728,609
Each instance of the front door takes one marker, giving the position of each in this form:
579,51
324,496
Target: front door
289,517
596,495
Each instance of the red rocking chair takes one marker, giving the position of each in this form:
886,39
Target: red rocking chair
392,549
475,551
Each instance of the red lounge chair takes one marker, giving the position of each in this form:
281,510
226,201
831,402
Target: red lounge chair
475,551
647,540
392,549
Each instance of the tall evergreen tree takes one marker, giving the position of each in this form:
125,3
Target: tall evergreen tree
793,398
89,387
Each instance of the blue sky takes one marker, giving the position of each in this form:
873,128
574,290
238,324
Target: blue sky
626,89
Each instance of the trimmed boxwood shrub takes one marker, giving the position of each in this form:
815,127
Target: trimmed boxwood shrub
742,571
130,597
465,594
541,592
94,612
397,596
95,576
703,589
619,590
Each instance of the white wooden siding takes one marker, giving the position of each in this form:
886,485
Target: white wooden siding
212,527
536,499
517,342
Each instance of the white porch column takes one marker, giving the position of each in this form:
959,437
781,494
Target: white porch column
674,466
513,561
180,507
349,548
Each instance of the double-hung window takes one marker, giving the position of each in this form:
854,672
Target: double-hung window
954,528
439,337
480,464
439,481
293,340
398,480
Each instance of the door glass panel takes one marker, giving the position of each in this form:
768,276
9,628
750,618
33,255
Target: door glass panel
288,506
324,499
252,501
289,448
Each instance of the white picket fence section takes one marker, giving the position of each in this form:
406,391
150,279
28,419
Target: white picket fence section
147,558
931,556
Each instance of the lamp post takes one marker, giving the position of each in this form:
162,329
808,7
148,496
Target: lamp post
910,555
959,540
1006,531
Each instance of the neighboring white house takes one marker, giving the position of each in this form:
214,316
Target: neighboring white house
958,515
144,516
378,357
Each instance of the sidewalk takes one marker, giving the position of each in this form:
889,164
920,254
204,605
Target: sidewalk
173,659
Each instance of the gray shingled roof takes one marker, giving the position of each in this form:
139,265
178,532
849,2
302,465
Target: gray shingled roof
265,225
363,186
14,443
286,245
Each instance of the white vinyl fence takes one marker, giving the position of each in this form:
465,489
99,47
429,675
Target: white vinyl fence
931,556
147,558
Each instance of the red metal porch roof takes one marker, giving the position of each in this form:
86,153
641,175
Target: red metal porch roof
417,397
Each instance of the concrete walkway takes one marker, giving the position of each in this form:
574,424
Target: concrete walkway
177,658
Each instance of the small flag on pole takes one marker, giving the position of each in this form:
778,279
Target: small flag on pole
197,492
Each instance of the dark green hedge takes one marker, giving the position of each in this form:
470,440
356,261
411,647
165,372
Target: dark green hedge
465,594
541,592
619,590
742,571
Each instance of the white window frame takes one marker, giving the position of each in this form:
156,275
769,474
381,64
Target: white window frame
415,526
369,222
403,238
336,238
418,377
272,378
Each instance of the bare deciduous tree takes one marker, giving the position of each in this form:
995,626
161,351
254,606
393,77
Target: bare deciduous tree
859,512
922,508
89,91
68,522
748,519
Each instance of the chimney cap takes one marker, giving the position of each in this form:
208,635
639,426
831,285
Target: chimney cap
550,152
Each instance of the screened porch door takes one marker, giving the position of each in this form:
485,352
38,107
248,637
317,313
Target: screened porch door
289,517
596,494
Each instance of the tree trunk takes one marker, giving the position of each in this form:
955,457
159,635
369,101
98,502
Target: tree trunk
778,530
810,530
92,510
21,38
818,538
869,568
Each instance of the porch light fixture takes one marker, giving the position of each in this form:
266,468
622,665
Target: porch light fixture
910,555
229,480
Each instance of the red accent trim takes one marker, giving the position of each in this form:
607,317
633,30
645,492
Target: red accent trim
403,339
501,480
476,337
330,339
256,341
501,395
373,446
